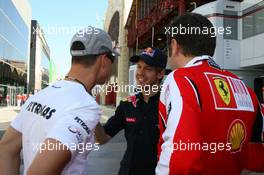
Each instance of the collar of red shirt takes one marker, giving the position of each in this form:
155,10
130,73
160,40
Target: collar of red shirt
197,60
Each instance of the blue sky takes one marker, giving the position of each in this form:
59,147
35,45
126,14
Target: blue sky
60,19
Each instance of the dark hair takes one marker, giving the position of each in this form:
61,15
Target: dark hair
159,70
199,39
86,60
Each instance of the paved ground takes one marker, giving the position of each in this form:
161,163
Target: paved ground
107,112
107,159
7,114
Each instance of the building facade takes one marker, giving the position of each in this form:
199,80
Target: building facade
39,76
134,25
143,23
15,19
240,51
52,71
115,19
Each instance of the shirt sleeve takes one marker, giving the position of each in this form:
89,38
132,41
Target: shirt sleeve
116,122
75,127
179,111
17,123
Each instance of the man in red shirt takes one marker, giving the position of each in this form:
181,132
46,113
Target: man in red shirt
210,121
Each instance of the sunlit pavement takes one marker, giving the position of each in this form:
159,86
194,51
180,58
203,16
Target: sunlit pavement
7,114
107,159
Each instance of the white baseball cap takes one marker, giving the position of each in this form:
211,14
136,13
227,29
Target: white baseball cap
95,41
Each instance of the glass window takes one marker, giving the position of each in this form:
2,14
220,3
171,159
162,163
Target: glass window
259,22
45,65
253,20
232,23
10,10
1,48
248,26
13,39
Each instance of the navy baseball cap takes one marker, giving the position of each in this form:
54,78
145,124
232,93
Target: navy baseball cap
151,56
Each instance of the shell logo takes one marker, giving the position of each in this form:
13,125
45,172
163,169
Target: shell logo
236,135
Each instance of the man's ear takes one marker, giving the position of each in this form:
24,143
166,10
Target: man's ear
175,48
104,60
101,61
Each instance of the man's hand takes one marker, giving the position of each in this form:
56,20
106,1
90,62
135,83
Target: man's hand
101,136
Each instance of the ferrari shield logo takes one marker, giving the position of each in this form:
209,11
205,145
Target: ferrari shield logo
223,90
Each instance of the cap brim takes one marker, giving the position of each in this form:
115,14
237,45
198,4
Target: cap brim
115,53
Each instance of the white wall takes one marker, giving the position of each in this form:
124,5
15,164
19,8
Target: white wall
38,76
252,51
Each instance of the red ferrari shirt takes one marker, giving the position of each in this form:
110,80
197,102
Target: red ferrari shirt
210,123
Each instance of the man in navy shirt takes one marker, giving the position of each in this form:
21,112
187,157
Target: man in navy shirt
138,116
